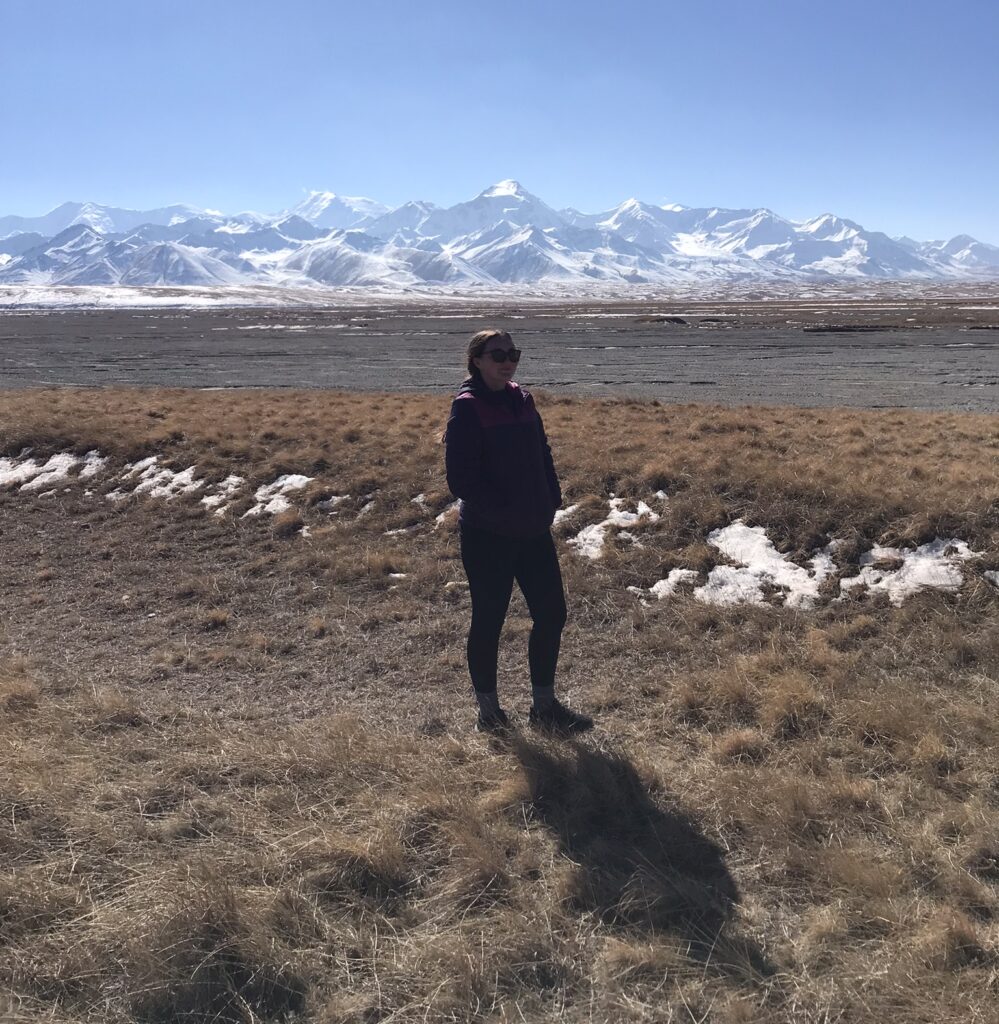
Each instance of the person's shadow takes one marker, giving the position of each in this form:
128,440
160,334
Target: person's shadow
642,868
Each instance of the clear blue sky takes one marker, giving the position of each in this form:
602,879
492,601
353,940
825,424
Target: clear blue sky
885,111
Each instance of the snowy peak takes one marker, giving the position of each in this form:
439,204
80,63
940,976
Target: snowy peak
507,188
504,201
967,252
830,227
409,217
101,218
959,243
328,210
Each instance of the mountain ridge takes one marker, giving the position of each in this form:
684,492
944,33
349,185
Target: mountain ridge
504,235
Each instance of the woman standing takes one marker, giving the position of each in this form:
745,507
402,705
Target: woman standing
500,465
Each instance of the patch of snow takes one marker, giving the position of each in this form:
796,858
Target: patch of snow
279,503
33,476
762,563
667,587
729,584
589,542
93,463
223,493
563,513
329,504
13,471
271,498
57,468
993,577
441,516
165,483
132,468
934,564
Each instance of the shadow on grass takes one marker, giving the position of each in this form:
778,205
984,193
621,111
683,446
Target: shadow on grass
642,868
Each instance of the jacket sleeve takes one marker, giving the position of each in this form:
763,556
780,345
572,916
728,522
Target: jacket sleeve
553,482
463,456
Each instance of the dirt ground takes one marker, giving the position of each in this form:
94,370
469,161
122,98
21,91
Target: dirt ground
904,351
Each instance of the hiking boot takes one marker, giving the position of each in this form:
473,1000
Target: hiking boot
495,722
558,718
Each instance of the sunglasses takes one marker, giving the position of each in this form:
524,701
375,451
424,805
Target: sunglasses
500,355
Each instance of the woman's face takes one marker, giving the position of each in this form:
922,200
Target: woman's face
495,374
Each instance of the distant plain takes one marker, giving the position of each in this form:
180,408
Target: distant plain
914,350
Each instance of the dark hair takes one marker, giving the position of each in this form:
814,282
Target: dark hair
478,345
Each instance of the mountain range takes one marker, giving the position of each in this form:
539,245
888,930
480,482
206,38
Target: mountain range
504,236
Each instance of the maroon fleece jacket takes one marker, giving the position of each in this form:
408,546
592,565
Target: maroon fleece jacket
499,462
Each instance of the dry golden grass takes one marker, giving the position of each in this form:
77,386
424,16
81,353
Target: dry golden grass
238,781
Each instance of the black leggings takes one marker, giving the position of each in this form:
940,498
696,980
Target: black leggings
492,562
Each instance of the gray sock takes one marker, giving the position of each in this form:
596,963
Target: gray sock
488,702
544,696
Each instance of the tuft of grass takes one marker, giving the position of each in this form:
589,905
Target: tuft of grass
287,523
742,745
951,942
215,618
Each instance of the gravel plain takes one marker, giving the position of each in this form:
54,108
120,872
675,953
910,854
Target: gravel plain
912,352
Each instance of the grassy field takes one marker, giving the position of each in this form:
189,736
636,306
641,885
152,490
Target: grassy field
238,780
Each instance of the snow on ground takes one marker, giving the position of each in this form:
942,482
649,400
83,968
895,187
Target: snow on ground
762,563
33,476
14,472
898,572
165,483
57,468
442,516
935,564
271,498
93,463
589,542
224,492
563,513
667,587
329,505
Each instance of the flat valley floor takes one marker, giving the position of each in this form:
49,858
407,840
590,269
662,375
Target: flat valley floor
923,353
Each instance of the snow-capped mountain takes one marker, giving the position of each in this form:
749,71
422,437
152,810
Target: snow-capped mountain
503,236
505,201
328,210
965,251
107,219
408,218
